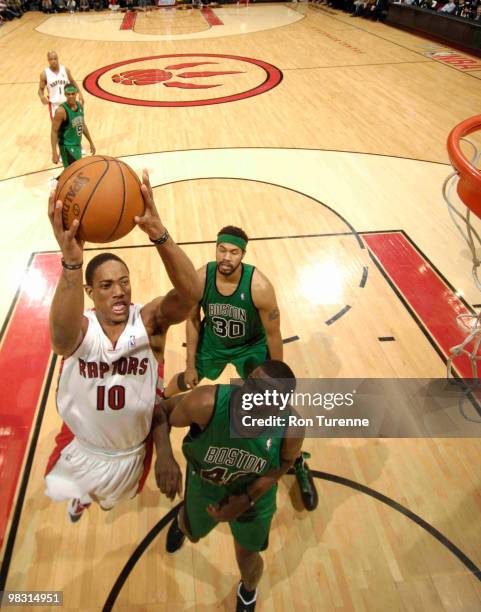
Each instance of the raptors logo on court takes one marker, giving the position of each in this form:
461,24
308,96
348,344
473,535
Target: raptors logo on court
153,76
180,80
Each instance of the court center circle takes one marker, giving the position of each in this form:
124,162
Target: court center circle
272,76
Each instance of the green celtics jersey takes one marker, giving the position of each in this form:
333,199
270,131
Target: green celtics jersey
229,321
70,132
231,463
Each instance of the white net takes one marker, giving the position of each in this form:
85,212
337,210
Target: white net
463,219
471,325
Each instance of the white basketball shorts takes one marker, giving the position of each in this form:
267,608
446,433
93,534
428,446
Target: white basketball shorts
75,471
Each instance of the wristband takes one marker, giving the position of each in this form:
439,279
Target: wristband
165,236
71,266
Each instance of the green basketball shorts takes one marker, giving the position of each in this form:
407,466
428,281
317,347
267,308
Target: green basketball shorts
69,154
245,359
250,530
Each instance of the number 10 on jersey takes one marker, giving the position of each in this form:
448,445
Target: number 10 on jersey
114,397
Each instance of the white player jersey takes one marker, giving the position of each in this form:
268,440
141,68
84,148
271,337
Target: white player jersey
56,82
106,394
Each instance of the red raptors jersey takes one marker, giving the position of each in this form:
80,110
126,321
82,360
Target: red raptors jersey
106,394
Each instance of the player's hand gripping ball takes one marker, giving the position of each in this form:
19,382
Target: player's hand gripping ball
103,194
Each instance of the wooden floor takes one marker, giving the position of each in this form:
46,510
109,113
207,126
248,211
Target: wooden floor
350,142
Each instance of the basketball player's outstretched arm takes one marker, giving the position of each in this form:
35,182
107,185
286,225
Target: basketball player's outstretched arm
179,411
66,311
176,305
265,301
192,332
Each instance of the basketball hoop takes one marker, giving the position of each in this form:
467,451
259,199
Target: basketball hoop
466,179
471,325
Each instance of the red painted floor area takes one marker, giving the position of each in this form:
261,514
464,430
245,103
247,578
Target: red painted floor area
24,358
211,17
128,22
431,299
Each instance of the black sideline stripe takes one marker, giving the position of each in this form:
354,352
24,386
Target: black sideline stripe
7,558
386,339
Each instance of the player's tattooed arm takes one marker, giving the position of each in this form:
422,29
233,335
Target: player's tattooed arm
274,314
265,300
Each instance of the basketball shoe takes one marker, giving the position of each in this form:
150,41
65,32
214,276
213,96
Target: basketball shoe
175,537
246,600
304,478
75,509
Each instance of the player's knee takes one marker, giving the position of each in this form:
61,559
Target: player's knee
246,557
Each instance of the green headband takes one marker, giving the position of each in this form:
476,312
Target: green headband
236,240
70,88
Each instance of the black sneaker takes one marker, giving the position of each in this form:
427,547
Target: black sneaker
242,604
305,481
175,537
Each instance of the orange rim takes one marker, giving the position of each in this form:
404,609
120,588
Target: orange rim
464,167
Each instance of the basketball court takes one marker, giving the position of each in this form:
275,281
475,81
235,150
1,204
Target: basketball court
324,137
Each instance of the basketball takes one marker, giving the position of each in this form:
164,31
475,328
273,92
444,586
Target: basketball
104,194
